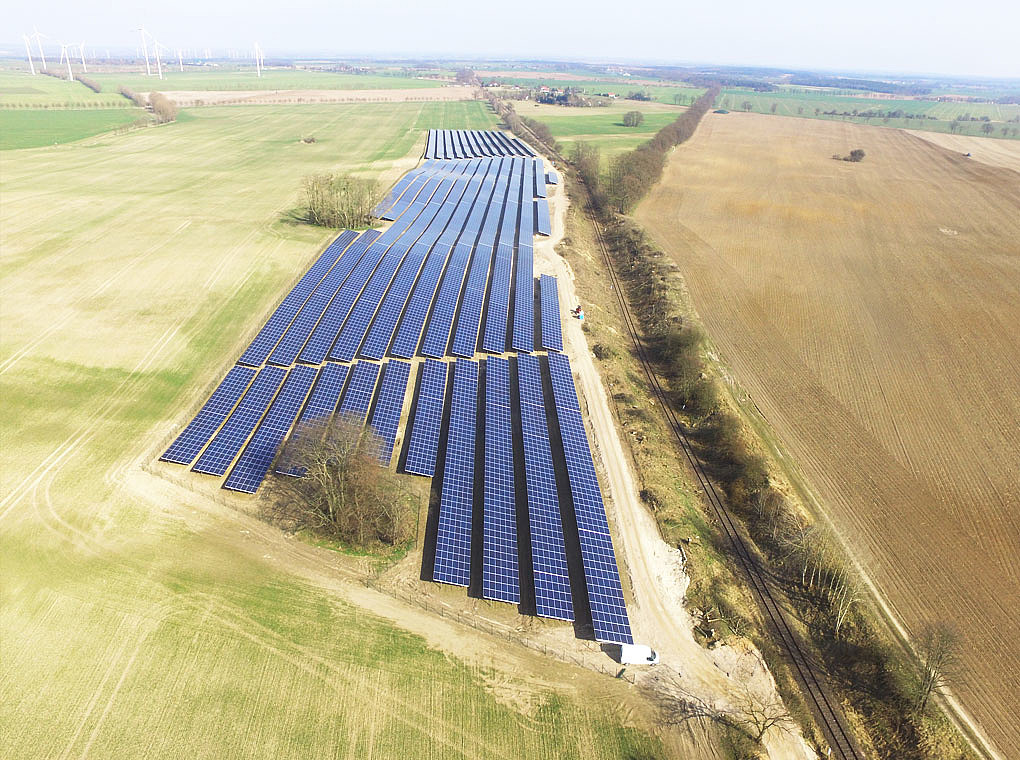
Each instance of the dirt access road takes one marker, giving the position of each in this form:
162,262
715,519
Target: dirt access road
870,311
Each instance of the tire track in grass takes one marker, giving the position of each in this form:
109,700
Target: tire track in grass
86,429
13,360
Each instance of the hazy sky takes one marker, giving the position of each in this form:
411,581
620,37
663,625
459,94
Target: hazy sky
873,35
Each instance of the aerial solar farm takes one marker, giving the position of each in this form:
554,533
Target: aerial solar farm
439,314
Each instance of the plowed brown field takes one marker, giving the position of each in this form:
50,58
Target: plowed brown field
872,311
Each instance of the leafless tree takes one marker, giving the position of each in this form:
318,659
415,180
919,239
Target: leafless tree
339,200
759,713
937,657
335,486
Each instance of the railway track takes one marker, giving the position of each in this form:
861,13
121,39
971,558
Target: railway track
827,713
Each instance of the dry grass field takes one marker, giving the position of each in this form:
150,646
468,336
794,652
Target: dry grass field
871,310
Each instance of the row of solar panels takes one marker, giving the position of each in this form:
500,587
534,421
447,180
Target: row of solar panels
399,292
471,143
512,403
411,185
274,396
246,420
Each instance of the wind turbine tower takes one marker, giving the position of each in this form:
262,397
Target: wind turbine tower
38,42
28,49
64,55
145,51
259,62
81,51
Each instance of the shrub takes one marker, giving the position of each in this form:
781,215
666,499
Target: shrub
164,109
633,119
90,83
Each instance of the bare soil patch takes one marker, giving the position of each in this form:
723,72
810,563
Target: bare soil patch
985,150
881,350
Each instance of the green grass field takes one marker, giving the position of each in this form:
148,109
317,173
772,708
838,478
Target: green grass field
601,126
31,128
814,104
19,89
245,79
139,620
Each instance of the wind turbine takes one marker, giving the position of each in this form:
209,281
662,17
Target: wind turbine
180,60
258,60
28,49
64,55
81,51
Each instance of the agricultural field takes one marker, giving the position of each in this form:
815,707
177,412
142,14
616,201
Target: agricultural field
19,89
142,618
814,104
246,79
32,128
869,311
601,126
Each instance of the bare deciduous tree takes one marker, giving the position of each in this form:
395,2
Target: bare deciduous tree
937,655
758,713
339,200
336,487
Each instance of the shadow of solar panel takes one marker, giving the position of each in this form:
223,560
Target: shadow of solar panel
193,438
548,553
552,329
242,421
318,411
499,525
423,445
602,577
453,537
270,334
386,416
258,455
358,396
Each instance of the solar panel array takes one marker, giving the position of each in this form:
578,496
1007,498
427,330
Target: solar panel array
461,143
602,577
453,539
549,315
388,406
242,421
548,552
499,529
424,441
453,274
260,452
